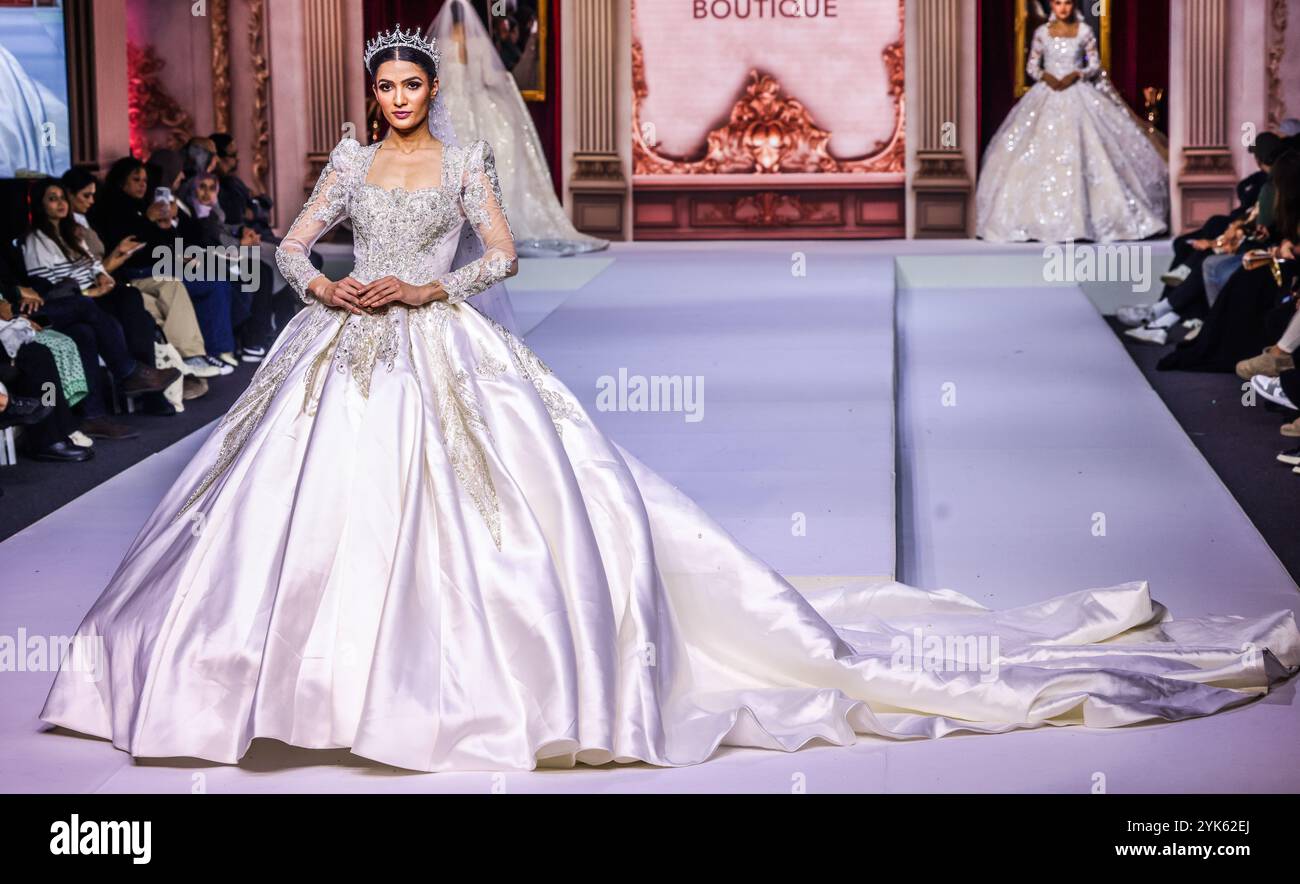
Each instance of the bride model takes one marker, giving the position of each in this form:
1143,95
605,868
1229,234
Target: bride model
1071,161
408,538
484,102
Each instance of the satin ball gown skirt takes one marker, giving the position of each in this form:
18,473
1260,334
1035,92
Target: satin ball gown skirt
408,538
1071,165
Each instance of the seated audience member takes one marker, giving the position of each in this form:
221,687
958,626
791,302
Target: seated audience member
1279,357
1216,261
202,222
198,155
86,303
127,208
166,298
29,380
244,209
54,250
241,207
1254,308
88,327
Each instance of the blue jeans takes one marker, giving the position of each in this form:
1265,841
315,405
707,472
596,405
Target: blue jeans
1218,269
212,305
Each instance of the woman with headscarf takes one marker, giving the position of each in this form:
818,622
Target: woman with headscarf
129,208
203,223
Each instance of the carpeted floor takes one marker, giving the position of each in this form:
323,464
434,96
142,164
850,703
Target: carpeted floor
33,490
1240,441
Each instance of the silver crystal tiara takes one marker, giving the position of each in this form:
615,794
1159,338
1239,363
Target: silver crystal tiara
409,40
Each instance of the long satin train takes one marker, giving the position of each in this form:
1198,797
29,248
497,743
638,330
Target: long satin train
459,571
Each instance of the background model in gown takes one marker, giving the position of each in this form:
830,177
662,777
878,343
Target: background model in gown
1074,163
485,103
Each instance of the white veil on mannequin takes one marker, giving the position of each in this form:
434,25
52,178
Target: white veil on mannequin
484,103
493,302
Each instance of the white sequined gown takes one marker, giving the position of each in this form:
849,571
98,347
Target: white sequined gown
1073,164
408,538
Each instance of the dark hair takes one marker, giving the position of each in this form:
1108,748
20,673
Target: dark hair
1286,183
115,181
222,141
76,180
403,53
67,233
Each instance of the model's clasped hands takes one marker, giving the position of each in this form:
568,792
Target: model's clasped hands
361,298
1060,84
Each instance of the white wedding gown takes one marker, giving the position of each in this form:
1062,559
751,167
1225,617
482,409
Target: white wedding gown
408,538
484,102
1073,164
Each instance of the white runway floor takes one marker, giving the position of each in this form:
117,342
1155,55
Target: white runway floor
996,498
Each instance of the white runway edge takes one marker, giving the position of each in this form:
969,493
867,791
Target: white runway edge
1052,424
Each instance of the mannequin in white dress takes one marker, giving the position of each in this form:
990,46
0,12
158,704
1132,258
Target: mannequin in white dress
1070,162
409,539
484,102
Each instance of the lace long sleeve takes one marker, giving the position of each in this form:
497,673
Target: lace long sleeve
326,207
481,200
1035,67
1092,54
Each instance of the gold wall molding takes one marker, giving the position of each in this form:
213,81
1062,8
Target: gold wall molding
150,106
1276,52
219,27
261,94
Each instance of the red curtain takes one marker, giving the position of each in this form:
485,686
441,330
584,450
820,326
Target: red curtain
381,15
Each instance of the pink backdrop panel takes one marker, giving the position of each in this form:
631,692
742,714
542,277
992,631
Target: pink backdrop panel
826,53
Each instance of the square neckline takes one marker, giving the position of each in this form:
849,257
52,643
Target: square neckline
439,187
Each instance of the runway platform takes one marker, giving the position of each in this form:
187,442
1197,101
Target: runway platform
1015,421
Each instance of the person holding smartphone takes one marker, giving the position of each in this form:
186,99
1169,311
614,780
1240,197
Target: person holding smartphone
166,298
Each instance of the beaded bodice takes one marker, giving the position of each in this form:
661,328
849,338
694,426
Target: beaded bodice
410,234
1060,56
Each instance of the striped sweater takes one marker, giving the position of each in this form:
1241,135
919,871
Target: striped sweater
44,259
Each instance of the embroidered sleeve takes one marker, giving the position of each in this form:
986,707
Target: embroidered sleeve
481,201
1035,66
1092,55
326,207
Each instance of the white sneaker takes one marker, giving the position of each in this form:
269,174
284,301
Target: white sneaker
1149,335
1166,320
1135,315
221,367
229,359
1176,275
200,367
1271,389
81,440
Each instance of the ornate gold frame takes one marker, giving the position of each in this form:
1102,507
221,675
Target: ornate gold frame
543,31
1022,56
